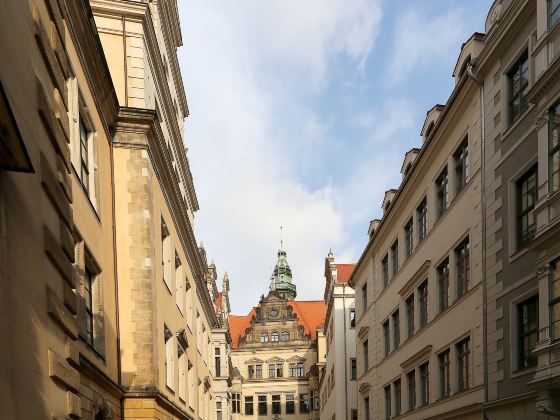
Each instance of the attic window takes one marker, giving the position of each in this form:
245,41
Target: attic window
407,169
387,205
430,129
464,66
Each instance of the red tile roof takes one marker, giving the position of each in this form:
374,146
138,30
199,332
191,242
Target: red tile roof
311,314
344,271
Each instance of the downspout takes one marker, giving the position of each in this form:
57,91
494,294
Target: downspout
480,83
345,352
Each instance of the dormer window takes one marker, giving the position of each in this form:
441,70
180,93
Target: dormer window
407,169
429,129
464,66
387,205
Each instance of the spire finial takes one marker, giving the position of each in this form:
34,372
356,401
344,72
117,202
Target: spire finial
281,237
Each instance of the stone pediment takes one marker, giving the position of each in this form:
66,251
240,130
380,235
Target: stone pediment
254,361
296,358
364,388
363,332
273,297
275,359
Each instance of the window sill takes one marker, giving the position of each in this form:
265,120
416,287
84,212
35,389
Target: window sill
522,372
514,124
86,193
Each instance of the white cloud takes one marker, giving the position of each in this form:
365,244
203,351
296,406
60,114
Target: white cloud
421,41
235,63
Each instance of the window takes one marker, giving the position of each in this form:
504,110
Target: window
276,404
366,408
300,369
236,403
553,12
166,255
275,336
258,371
315,400
387,392
526,188
422,220
84,156
397,391
264,338
292,370
190,374
365,349
285,336
461,162
251,371
290,404
303,403
396,328
528,331
554,148
518,80
554,291
354,415
444,382
462,267
88,297
385,270
219,410
411,382
217,361
409,238
395,257
271,371
262,405
364,297
279,370
169,368
386,338
423,301
409,304
353,371
463,353
442,192
249,406
424,384
443,285
352,318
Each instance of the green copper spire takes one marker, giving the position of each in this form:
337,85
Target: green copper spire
282,276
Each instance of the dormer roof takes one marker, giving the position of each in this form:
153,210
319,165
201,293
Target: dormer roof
388,198
431,118
409,160
469,51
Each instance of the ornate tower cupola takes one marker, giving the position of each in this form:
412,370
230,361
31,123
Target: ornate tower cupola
282,277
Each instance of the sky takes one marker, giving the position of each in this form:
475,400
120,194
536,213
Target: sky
301,113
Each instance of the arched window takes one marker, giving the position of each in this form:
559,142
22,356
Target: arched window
285,336
264,338
274,336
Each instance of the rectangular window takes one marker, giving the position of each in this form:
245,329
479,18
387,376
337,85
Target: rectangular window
422,220
553,12
554,148
315,400
411,382
385,270
398,397
249,406
353,371
443,285
386,338
276,404
461,162
365,349
554,292
442,192
300,369
518,81
303,403
179,284
395,257
89,279
251,371
352,318
387,392
463,364
462,267
258,371
272,371
279,370
217,361
528,331
444,379
423,301
409,304
396,320
366,408
290,404
262,405
364,297
218,410
526,188
292,370
236,403
409,238
424,384
84,156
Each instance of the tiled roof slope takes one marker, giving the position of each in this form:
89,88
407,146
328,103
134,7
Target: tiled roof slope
311,314
344,271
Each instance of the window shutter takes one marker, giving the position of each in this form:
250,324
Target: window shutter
79,267
98,316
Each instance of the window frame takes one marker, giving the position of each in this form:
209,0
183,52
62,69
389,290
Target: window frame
443,285
276,407
462,273
553,301
396,320
461,165
424,369
409,238
397,391
386,338
423,303
262,405
553,151
385,270
422,220
462,354
411,385
521,213
409,308
517,70
444,367
442,191
395,258
290,404
526,359
387,401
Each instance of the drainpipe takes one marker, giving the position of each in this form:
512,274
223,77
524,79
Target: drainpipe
480,83
345,352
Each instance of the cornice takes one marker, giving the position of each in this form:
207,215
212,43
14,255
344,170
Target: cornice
417,358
